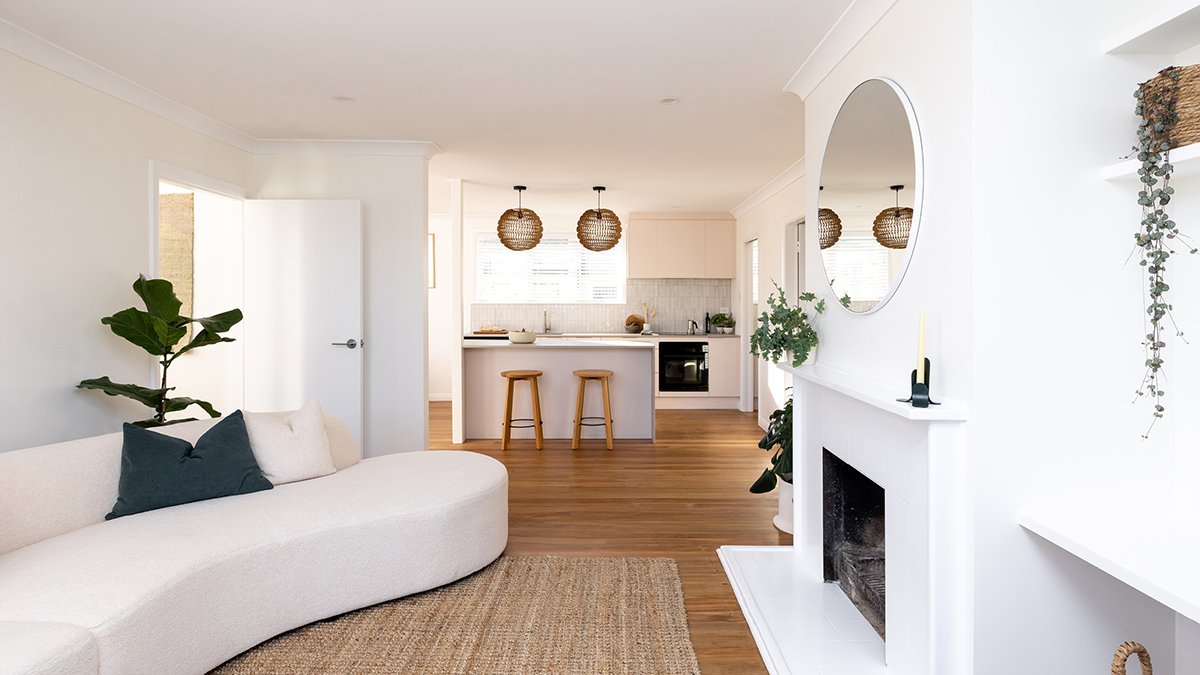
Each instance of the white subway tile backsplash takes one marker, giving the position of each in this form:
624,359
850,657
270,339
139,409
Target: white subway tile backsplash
675,300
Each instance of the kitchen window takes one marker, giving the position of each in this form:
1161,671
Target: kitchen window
557,271
859,265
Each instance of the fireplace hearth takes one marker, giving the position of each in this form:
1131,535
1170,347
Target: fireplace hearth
854,555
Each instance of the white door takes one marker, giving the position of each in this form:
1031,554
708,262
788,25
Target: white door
303,307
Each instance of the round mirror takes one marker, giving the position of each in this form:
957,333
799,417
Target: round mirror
870,199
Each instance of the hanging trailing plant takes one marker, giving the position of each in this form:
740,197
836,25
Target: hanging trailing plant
1156,100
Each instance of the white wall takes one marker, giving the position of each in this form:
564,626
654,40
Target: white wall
214,373
766,223
394,195
75,224
1050,251
439,329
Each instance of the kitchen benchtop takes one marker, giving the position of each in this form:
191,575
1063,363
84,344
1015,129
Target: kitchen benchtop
607,336
558,343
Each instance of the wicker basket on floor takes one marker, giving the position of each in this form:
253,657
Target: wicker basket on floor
1122,655
1187,101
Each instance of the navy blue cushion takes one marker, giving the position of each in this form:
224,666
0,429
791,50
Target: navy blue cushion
158,470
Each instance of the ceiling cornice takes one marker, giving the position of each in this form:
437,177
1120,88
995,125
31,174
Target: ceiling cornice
42,52
854,24
790,175
426,149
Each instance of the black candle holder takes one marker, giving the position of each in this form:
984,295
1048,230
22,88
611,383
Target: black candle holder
920,391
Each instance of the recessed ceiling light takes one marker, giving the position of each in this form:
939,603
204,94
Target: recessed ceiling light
344,99
670,100
677,207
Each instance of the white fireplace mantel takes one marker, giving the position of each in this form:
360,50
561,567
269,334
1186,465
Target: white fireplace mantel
919,456
877,394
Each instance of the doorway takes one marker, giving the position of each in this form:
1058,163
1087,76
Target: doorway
199,250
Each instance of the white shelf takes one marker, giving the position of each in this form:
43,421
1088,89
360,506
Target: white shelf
1186,161
1171,31
1149,544
877,394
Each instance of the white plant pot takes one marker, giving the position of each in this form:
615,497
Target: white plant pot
783,521
812,357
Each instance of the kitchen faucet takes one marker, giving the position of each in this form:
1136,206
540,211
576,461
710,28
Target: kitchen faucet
545,322
692,326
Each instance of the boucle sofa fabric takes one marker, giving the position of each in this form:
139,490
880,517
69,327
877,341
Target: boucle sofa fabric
182,589
47,649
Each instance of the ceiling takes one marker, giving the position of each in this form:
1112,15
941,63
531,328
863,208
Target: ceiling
552,94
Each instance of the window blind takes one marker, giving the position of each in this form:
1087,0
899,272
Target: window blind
556,271
857,266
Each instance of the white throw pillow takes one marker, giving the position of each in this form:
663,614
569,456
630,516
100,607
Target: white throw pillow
292,449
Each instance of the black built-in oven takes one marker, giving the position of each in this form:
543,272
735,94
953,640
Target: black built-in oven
682,366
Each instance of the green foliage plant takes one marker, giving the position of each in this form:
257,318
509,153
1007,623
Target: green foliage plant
1158,237
158,330
785,328
779,435
722,320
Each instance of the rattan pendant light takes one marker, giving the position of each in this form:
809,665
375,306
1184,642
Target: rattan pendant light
892,225
599,229
830,227
519,229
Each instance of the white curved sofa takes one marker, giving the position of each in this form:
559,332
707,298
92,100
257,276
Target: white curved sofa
182,589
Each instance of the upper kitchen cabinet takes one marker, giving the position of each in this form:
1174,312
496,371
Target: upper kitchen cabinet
682,246
642,245
719,249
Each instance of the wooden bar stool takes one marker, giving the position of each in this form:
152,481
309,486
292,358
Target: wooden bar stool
512,376
584,376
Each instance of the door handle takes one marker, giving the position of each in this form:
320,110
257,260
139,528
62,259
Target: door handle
351,343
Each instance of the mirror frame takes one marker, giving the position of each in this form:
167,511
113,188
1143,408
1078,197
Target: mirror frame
918,193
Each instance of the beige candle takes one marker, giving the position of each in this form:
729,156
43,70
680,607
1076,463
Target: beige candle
921,350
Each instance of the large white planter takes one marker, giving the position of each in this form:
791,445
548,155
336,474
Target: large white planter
783,521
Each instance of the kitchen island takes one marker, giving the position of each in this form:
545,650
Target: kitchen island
631,388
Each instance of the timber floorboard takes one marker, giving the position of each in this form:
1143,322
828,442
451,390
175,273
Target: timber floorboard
680,498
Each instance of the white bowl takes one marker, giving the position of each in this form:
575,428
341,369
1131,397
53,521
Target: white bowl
519,338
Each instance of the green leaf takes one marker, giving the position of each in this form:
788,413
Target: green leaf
159,296
143,395
180,402
201,339
765,483
219,323
167,333
137,327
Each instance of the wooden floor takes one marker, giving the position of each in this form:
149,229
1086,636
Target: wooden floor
680,498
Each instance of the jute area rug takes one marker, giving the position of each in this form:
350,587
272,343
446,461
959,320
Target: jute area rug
518,616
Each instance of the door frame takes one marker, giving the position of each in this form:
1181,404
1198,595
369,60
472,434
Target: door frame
745,271
161,172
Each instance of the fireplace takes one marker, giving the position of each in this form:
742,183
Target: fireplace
854,537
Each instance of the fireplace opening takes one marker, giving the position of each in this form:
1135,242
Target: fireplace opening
854,537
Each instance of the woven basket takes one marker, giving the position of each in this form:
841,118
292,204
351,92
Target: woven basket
1122,655
1187,102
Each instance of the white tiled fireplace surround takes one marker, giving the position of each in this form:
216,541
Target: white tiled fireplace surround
804,626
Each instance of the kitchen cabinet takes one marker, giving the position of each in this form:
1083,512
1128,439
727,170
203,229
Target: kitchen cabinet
679,247
720,246
642,246
723,366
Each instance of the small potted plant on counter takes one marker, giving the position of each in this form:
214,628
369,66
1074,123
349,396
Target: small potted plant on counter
779,437
723,323
785,330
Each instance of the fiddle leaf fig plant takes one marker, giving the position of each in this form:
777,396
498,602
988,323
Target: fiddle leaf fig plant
158,330
785,328
779,434
1158,237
